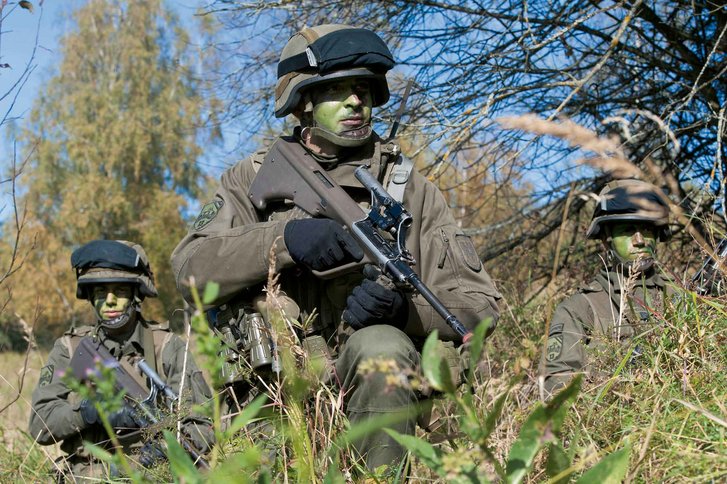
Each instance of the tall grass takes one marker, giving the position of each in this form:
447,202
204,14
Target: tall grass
657,417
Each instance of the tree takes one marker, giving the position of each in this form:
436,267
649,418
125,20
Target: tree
654,68
115,136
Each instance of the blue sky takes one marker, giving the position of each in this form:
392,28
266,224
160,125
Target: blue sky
20,28
49,21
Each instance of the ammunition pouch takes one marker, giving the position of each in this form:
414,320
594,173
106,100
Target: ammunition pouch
246,342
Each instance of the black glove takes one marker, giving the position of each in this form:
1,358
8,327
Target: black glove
320,243
371,303
151,454
120,419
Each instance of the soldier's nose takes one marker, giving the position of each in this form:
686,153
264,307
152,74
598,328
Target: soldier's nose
637,239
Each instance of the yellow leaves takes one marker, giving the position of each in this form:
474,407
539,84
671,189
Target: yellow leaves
114,143
27,5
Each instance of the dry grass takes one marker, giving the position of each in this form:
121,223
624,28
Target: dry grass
19,454
14,420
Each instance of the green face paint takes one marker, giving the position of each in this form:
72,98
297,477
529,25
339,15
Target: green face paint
112,299
343,106
631,241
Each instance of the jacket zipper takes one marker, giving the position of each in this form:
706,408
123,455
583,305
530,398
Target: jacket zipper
443,255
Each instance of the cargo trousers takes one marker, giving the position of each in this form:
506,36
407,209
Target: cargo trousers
370,396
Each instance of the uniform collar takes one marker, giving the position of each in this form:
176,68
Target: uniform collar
342,166
616,279
128,346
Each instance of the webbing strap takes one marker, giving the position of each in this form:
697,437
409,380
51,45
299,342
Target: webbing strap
147,341
398,178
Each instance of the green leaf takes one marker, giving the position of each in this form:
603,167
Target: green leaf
558,406
558,461
422,449
609,470
435,367
98,452
366,427
540,428
249,412
470,421
180,463
211,291
494,415
334,476
229,470
527,445
477,342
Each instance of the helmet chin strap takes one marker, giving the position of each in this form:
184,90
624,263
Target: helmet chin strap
346,139
120,322
349,138
638,266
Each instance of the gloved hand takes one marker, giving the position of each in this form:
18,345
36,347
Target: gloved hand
375,301
151,453
120,419
320,243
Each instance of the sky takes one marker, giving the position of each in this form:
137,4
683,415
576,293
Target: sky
28,61
30,50
48,22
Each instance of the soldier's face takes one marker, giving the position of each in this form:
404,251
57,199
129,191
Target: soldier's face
633,241
343,106
112,299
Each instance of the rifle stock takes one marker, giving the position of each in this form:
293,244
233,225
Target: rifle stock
292,174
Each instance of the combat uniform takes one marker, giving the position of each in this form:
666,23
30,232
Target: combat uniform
600,311
230,244
55,415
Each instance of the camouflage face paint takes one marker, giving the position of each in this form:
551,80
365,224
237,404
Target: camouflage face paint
343,105
631,241
112,299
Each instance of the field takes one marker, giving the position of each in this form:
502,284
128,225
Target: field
20,458
664,412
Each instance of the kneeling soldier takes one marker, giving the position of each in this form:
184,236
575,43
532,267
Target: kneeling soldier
115,277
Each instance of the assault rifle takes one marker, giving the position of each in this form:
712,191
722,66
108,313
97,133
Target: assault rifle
142,401
705,280
292,174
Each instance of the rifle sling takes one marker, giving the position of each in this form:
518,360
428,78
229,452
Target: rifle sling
133,372
147,342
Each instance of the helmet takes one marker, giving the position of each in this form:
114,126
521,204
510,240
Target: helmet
103,261
630,200
326,53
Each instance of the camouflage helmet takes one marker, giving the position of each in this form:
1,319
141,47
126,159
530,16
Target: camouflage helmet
104,261
326,53
632,201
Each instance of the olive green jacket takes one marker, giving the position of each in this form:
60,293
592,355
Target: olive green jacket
55,415
231,241
601,309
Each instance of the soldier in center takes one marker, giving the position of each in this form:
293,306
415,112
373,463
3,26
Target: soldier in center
330,77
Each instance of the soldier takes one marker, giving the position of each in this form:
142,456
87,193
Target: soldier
630,218
330,77
115,277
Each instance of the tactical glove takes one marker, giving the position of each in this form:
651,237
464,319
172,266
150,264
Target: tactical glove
373,303
120,419
320,243
151,454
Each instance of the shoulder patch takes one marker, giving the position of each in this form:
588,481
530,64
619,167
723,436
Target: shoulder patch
554,347
469,253
207,214
46,375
